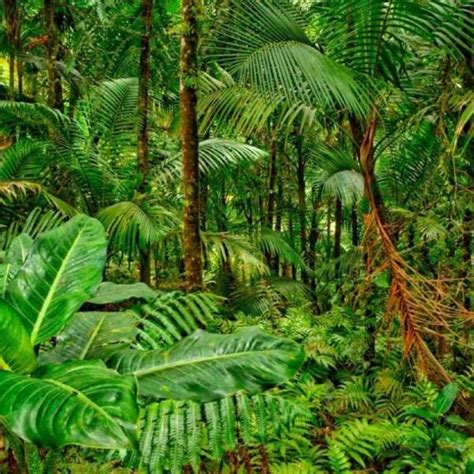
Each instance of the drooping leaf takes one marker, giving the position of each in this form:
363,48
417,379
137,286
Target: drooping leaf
16,351
81,403
207,366
63,270
94,335
109,292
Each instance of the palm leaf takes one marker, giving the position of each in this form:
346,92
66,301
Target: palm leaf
265,45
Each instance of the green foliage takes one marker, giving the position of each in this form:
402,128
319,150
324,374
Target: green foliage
62,270
92,335
175,434
54,408
109,292
16,349
219,359
173,315
73,398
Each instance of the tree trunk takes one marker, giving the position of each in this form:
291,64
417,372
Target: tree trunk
143,104
467,256
337,236
12,18
190,145
313,239
278,221
354,226
300,173
272,173
292,239
55,88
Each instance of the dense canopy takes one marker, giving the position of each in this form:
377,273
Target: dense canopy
236,236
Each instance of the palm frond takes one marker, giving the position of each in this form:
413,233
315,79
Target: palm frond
265,45
132,227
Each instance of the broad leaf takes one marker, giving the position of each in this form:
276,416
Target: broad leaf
94,335
109,292
205,366
76,403
445,399
16,351
14,259
62,271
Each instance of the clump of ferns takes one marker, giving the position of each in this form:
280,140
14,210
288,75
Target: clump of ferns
242,431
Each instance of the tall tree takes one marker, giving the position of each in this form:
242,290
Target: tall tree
12,17
190,144
143,105
55,88
300,174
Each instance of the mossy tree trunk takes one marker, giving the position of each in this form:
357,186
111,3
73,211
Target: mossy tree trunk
55,87
190,145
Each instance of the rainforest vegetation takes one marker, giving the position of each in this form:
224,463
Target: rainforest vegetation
236,236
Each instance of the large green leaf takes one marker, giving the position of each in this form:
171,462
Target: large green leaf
80,403
62,271
14,259
205,366
94,335
445,399
109,292
16,351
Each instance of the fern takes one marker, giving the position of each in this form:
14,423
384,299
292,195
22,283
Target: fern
173,315
337,459
175,434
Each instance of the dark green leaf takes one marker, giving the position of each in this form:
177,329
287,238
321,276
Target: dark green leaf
80,403
109,292
16,351
63,270
207,366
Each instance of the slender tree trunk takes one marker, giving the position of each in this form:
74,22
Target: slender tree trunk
467,256
278,221
354,226
300,173
272,174
313,239
328,230
292,238
55,88
190,145
12,18
337,236
143,106
365,154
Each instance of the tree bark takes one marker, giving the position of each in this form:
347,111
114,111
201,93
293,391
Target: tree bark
12,18
272,174
55,88
313,239
143,105
337,236
190,145
467,256
278,221
300,173
354,226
